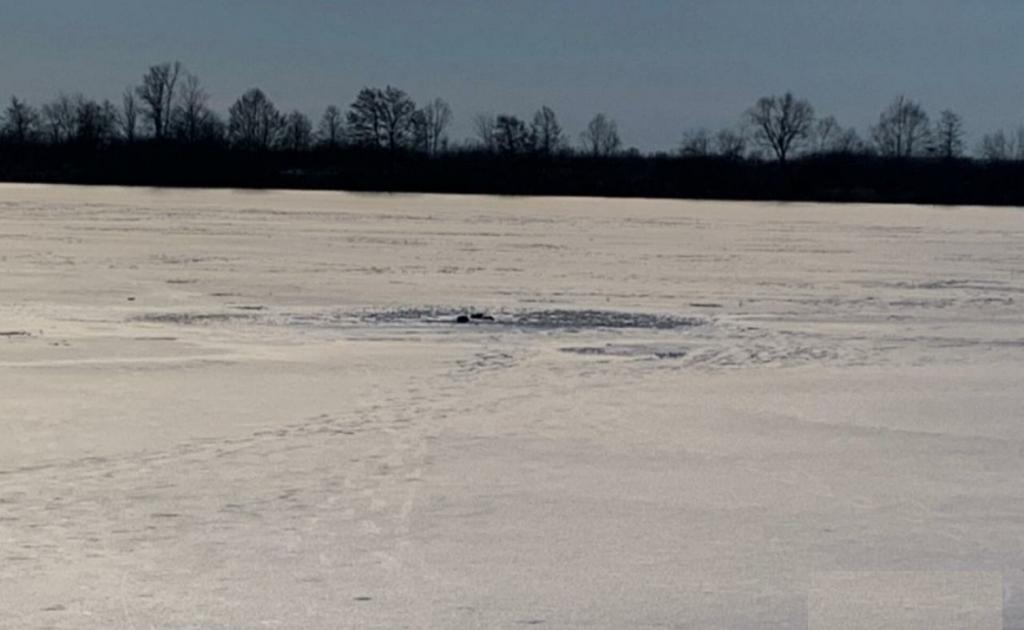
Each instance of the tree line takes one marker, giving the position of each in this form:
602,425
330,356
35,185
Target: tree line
163,130
170,105
781,127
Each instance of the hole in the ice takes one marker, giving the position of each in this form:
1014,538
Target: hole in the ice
539,319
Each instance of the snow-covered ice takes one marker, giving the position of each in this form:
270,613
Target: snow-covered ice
228,410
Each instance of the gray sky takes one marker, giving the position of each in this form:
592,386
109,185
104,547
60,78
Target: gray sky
657,66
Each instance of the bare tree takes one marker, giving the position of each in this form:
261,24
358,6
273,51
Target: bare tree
1018,140
948,134
298,132
1002,147
848,141
95,124
398,110
21,122
128,119
696,143
254,123
431,126
546,132
484,127
365,122
157,95
902,130
60,118
382,118
782,124
191,113
826,131
730,143
601,138
331,128
829,137
996,147
511,135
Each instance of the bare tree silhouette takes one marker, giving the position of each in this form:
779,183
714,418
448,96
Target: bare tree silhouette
1002,147
365,119
782,124
128,118
331,129
829,137
730,143
484,128
948,134
95,124
824,134
398,110
511,135
254,122
156,94
382,118
902,130
21,122
601,138
696,143
431,124
190,113
59,118
546,132
298,132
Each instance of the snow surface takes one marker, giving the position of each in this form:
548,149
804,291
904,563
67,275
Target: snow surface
229,409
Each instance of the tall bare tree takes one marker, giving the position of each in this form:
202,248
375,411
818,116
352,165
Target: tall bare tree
431,124
824,134
829,137
782,124
902,130
156,94
601,137
191,113
95,124
297,134
511,135
546,132
948,135
484,128
331,129
21,122
254,122
1001,146
696,143
382,118
848,141
365,119
730,143
398,111
60,118
128,118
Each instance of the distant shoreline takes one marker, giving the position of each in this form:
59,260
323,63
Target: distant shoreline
837,178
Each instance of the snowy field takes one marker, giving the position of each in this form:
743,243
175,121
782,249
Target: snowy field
237,410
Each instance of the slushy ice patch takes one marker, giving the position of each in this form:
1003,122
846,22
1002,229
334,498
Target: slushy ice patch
542,319
555,319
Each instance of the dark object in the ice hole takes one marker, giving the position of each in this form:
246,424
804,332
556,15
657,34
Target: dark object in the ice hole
473,318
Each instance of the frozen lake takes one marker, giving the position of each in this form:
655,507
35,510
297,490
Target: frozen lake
228,410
